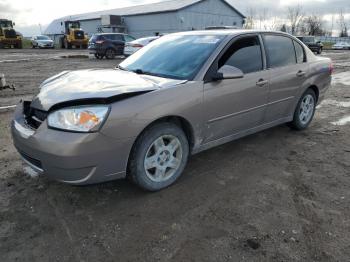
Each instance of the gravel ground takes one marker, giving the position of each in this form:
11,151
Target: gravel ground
278,195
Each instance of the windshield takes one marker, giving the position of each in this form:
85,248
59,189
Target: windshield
43,37
5,24
173,56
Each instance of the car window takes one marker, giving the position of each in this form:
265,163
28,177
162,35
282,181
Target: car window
114,37
280,51
299,51
174,56
129,38
244,54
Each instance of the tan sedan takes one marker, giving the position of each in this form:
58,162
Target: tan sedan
181,94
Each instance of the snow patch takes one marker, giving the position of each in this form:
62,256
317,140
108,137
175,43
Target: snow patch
330,102
30,172
7,107
341,78
342,122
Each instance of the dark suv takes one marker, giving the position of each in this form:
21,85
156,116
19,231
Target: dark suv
310,41
108,45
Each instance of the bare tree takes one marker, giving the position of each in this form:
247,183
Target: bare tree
263,14
250,19
314,25
275,24
283,28
295,16
343,25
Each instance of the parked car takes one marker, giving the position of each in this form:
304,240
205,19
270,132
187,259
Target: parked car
108,45
180,95
42,41
341,46
137,44
312,43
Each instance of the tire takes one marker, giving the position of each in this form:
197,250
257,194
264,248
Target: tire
319,51
67,45
110,53
168,165
305,111
98,56
19,45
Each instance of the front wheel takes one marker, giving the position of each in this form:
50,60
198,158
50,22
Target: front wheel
305,111
159,157
110,53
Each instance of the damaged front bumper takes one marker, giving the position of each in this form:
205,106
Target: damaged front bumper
73,158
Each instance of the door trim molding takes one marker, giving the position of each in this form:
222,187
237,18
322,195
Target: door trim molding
241,134
249,110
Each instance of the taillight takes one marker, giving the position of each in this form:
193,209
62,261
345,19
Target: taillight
331,68
137,45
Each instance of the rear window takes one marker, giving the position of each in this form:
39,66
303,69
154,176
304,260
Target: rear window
280,51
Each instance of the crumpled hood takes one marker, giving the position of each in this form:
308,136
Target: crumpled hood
95,84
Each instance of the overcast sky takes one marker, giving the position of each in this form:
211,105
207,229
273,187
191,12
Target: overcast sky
29,14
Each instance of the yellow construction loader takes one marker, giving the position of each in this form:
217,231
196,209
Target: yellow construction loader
8,36
73,36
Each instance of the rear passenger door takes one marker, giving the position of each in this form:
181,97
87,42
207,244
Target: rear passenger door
235,105
287,67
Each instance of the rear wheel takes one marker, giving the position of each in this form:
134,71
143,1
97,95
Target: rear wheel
159,157
319,51
305,111
98,56
110,53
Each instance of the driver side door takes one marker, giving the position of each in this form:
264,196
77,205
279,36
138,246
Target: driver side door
233,106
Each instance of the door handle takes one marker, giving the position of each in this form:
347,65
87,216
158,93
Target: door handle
301,73
262,83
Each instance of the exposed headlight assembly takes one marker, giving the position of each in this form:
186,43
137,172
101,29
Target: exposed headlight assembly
79,119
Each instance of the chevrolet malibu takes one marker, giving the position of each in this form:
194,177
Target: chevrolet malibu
181,94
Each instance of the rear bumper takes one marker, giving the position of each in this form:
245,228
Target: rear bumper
73,158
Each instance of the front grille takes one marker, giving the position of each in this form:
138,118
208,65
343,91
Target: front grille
33,117
31,160
79,34
10,33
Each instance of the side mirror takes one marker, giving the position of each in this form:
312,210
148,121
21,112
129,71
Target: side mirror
61,23
13,23
228,72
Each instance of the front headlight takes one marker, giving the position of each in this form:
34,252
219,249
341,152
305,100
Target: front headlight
79,119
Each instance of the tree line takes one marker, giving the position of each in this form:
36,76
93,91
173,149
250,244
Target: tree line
297,22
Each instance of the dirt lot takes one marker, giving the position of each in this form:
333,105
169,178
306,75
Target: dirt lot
278,195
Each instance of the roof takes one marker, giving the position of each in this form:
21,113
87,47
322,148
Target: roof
160,7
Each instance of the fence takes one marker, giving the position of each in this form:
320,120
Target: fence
332,39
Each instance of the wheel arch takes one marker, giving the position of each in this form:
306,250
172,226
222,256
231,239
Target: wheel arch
316,90
181,122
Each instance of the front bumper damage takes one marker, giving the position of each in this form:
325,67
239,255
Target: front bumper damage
73,158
